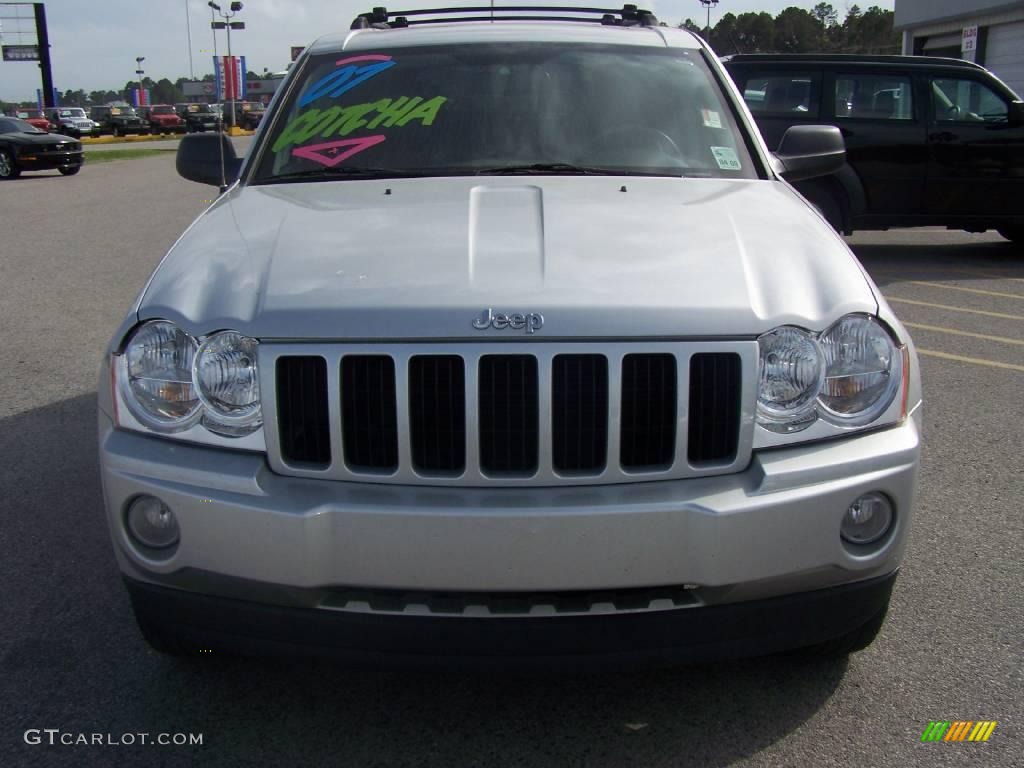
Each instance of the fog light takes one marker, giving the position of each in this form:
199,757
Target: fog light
868,519
152,523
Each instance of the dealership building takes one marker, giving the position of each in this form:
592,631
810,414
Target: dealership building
989,32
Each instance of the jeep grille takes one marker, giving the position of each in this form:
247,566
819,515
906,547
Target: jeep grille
509,414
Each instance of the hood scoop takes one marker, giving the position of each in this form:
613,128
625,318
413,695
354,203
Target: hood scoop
506,237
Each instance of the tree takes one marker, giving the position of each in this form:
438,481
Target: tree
723,36
826,14
797,31
691,26
755,32
166,92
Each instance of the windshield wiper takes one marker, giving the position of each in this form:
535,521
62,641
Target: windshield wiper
337,171
567,169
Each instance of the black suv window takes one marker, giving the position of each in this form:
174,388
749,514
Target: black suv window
876,97
783,93
966,101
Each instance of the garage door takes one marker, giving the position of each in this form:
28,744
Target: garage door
1004,54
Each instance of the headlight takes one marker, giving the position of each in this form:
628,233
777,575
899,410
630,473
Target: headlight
848,375
790,372
863,371
227,383
156,377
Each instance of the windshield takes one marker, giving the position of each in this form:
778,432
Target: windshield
72,113
162,110
127,111
200,108
14,125
507,107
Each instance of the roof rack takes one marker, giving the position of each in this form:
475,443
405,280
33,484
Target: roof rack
626,16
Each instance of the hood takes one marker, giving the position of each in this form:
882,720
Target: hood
41,138
164,119
597,256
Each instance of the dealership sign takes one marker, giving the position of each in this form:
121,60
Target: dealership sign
21,52
969,42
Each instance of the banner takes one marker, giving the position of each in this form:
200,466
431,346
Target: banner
140,98
229,77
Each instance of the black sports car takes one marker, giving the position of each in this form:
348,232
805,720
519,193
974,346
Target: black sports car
24,148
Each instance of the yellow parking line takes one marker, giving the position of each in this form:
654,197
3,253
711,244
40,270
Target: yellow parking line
1002,315
971,360
955,332
966,290
895,272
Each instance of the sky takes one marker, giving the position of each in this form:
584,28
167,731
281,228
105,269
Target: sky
93,43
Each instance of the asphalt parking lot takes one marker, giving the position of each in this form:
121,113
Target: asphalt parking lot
75,251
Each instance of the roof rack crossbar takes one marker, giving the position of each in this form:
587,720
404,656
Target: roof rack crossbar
627,15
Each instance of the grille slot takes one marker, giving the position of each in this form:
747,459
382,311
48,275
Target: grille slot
302,410
579,413
437,413
508,409
715,385
648,435
368,412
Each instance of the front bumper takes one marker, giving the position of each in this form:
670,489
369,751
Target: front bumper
770,530
47,161
218,624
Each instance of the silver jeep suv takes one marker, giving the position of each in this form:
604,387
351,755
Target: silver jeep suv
510,340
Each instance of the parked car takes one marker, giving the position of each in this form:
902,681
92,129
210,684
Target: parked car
36,118
248,114
198,117
929,141
117,120
162,118
72,121
465,362
23,147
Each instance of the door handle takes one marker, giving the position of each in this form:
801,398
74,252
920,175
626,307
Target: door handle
943,136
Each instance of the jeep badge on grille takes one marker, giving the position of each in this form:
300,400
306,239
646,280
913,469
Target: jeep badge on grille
518,321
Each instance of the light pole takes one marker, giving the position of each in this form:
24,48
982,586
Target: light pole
709,4
213,26
140,73
188,30
228,25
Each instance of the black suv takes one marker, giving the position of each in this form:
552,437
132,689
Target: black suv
929,141
117,120
198,117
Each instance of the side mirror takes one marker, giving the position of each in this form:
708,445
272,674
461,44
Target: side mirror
199,159
1015,113
808,151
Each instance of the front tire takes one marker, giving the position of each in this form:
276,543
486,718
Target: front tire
8,168
70,170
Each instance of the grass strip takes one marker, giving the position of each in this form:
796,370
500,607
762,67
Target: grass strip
105,156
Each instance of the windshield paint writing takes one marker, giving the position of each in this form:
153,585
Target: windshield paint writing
332,153
348,77
341,121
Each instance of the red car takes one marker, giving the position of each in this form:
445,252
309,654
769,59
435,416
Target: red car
35,118
162,119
